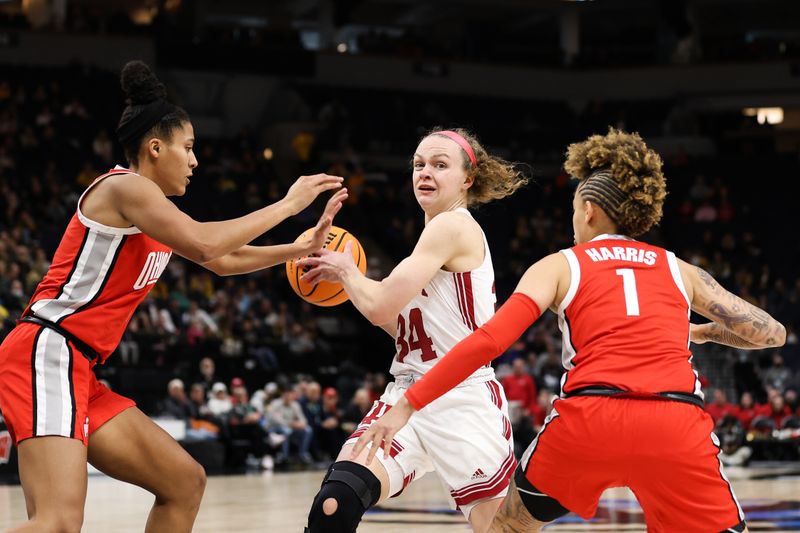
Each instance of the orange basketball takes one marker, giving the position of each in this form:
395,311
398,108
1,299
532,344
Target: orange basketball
325,293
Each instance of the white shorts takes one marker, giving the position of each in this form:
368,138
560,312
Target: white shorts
465,436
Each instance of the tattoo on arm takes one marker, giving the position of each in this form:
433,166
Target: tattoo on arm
747,325
721,335
707,279
729,317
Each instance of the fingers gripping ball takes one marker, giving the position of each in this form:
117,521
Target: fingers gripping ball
325,293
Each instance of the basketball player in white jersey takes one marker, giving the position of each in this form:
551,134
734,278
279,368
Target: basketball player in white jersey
434,298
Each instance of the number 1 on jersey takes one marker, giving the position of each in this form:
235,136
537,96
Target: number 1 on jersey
416,329
629,286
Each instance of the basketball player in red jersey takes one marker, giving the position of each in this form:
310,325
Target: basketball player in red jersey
631,408
435,297
112,252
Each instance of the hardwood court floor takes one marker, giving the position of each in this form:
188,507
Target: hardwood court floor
278,503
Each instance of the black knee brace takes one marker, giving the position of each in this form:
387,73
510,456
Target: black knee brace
355,490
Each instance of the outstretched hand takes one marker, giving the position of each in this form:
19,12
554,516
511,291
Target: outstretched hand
381,433
325,222
327,265
307,188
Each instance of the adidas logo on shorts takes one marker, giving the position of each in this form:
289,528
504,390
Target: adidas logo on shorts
478,474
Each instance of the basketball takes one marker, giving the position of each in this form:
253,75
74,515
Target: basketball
325,293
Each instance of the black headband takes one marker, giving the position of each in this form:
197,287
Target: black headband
148,117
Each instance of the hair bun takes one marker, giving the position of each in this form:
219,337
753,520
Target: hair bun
140,83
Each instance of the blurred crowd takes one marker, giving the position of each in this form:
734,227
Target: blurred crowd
290,380
280,424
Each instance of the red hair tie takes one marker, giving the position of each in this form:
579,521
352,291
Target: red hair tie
462,142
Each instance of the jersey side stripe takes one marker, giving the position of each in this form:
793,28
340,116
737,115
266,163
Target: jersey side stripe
107,275
89,287
35,381
470,299
74,263
459,297
89,277
47,308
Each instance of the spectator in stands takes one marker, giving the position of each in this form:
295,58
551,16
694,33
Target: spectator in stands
203,424
300,339
236,382
244,421
330,435
777,410
242,412
311,402
207,376
520,388
220,403
549,371
720,406
792,400
285,416
777,375
747,410
271,391
356,411
544,406
176,404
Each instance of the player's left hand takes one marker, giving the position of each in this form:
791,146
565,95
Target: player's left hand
323,226
327,265
381,433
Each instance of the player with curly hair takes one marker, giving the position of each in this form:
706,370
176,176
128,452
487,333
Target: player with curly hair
630,411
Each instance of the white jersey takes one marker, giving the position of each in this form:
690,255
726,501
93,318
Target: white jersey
450,307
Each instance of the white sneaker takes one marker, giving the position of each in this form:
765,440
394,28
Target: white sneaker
267,462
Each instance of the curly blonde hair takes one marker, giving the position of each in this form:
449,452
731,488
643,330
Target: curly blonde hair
494,177
635,184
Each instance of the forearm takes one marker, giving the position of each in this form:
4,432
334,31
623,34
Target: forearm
252,258
733,314
365,294
224,237
717,333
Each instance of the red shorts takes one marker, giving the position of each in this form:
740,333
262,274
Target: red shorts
47,387
664,451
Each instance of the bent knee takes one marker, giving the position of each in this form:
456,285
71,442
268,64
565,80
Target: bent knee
184,484
195,479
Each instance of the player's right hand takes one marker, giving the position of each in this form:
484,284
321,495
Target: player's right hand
381,433
307,188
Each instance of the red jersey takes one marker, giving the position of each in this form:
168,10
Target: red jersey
99,275
625,319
